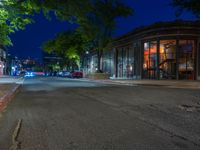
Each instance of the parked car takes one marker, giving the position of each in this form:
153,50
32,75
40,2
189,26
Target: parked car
66,74
77,74
60,73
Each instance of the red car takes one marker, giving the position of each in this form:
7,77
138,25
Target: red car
77,74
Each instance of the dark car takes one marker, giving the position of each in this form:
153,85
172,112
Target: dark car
77,74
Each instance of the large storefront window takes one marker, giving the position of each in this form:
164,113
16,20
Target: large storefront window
94,63
120,63
125,63
137,61
186,60
108,59
131,62
150,60
172,63
167,60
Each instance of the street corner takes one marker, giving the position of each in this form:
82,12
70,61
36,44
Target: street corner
7,92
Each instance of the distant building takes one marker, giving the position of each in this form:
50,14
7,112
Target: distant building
50,60
13,65
165,50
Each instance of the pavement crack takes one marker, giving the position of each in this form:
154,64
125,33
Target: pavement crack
15,143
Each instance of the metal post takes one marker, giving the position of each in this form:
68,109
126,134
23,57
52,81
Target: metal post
158,59
177,59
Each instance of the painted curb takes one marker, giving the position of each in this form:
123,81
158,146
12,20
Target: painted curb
8,97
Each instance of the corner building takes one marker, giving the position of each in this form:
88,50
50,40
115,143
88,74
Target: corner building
165,50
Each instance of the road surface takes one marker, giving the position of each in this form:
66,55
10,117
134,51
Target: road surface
67,114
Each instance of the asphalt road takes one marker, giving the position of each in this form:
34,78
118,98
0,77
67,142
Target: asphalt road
61,114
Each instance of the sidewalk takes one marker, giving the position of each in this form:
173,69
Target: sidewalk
9,86
10,79
165,83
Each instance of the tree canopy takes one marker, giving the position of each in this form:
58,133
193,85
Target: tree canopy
99,24
65,42
96,20
188,5
68,45
14,16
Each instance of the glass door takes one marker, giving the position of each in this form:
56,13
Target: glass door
150,60
186,60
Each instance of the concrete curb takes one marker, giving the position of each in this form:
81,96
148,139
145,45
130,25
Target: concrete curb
99,81
170,84
8,97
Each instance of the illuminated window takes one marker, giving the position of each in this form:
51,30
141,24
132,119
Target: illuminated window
167,61
150,59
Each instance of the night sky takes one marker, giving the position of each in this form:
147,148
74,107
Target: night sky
27,43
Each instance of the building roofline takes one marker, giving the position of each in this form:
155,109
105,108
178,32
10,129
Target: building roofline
160,25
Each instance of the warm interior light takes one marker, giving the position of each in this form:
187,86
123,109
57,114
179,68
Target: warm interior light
145,65
162,50
153,50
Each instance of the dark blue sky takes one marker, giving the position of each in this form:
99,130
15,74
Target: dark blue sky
27,43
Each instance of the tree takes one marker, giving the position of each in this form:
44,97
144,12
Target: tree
69,45
4,32
14,16
99,24
96,18
188,5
